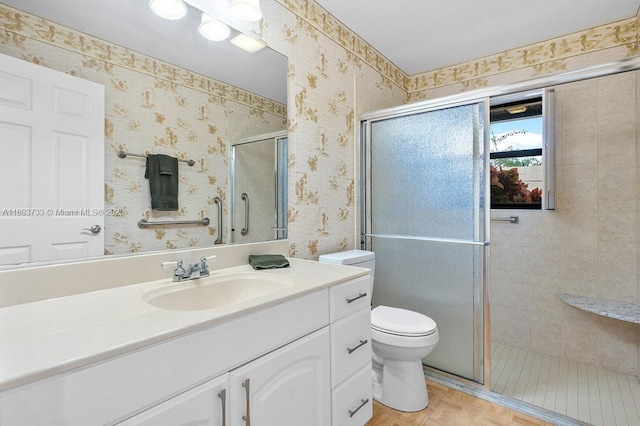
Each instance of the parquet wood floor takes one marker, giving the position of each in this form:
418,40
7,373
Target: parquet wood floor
452,408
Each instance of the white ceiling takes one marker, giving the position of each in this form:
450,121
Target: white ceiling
424,35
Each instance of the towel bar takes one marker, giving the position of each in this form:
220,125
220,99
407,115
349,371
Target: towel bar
123,154
144,223
510,219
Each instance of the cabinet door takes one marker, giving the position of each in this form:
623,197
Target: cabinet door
289,386
206,404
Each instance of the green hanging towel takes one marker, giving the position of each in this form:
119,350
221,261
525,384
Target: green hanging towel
162,172
268,261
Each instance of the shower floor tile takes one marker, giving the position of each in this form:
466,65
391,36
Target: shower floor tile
587,393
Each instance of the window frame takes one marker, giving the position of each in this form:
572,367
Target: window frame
547,151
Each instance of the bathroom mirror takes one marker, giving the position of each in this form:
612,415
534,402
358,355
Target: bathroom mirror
167,91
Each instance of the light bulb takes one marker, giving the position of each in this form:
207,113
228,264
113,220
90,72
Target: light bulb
169,9
212,29
249,10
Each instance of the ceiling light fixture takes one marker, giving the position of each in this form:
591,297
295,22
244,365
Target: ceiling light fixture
169,9
212,29
249,10
517,109
247,43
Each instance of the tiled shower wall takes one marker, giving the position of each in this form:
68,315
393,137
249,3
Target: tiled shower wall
587,246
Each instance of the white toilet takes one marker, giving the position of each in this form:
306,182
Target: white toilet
400,339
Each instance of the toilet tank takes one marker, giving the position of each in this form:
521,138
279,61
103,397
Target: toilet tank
359,258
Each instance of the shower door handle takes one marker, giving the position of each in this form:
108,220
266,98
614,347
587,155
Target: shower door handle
245,198
218,201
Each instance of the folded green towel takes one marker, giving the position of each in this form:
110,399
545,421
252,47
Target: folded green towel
268,261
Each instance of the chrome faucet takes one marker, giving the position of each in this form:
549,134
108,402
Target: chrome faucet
194,271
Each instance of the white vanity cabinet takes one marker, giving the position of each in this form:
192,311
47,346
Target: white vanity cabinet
289,386
351,386
298,362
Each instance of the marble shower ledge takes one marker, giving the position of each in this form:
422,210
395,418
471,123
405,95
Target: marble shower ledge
625,311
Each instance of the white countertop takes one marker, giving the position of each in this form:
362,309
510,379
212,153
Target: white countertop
47,337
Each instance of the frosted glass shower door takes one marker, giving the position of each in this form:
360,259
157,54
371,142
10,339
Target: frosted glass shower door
425,219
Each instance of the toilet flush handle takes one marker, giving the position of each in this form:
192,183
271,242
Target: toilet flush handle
359,296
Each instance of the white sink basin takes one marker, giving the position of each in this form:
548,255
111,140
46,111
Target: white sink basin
216,291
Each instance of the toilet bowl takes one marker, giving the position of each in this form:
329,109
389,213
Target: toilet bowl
400,339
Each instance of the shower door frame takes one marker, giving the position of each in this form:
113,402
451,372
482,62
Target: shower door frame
481,344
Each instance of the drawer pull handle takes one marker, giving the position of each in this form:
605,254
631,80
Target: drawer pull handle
362,343
223,396
247,418
360,296
363,402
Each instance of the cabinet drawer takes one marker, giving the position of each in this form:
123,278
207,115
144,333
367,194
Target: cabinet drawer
352,403
350,297
350,346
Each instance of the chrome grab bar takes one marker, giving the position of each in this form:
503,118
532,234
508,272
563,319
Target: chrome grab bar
431,239
510,219
218,201
245,198
144,223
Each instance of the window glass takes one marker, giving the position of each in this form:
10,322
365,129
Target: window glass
516,159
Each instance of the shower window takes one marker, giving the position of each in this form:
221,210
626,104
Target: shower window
519,149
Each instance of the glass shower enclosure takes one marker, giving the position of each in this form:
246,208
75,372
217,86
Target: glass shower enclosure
425,214
259,188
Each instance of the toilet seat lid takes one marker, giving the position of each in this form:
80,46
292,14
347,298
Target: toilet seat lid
402,322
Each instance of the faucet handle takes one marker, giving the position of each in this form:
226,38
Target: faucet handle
204,268
178,273
166,265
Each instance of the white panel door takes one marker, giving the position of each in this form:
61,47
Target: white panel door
52,167
289,386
